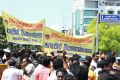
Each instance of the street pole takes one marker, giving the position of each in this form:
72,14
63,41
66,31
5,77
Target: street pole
97,22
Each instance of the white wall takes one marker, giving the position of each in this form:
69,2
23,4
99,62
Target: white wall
113,8
91,4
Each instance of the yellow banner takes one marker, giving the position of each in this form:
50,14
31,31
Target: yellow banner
21,32
54,41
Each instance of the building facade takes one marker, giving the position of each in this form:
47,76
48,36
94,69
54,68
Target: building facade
109,6
84,11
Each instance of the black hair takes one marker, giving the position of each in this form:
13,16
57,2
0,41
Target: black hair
57,63
39,58
76,62
87,61
70,59
33,55
106,63
46,61
61,70
1,53
68,77
11,62
93,55
100,64
88,58
111,59
109,75
52,53
80,72
76,56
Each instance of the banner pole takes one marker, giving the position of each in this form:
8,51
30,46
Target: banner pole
43,42
97,22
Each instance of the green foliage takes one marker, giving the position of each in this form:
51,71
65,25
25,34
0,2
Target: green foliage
109,35
2,34
91,28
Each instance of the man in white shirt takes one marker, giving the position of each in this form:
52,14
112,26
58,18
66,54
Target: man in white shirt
28,66
95,58
12,73
100,66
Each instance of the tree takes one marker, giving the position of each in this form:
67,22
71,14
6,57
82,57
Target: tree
3,39
109,35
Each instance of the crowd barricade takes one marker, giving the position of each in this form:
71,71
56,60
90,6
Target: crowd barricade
2,68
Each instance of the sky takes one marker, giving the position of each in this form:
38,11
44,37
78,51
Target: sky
57,13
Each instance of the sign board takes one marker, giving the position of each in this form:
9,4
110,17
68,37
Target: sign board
109,18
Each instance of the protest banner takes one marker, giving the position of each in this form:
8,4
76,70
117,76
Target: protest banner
20,32
54,40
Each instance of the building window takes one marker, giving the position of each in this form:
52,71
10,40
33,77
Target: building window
87,20
101,10
90,13
110,12
108,4
119,12
118,4
91,4
77,32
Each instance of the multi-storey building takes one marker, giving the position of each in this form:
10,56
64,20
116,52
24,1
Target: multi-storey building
109,6
84,11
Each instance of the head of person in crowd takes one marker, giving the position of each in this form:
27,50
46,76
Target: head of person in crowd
76,61
116,66
100,64
18,64
70,60
25,62
57,63
86,61
79,72
114,53
69,77
106,65
52,53
109,75
101,55
111,60
39,58
46,61
76,56
35,62
82,61
33,56
27,53
60,73
12,62
95,56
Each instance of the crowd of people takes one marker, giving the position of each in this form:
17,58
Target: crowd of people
27,65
